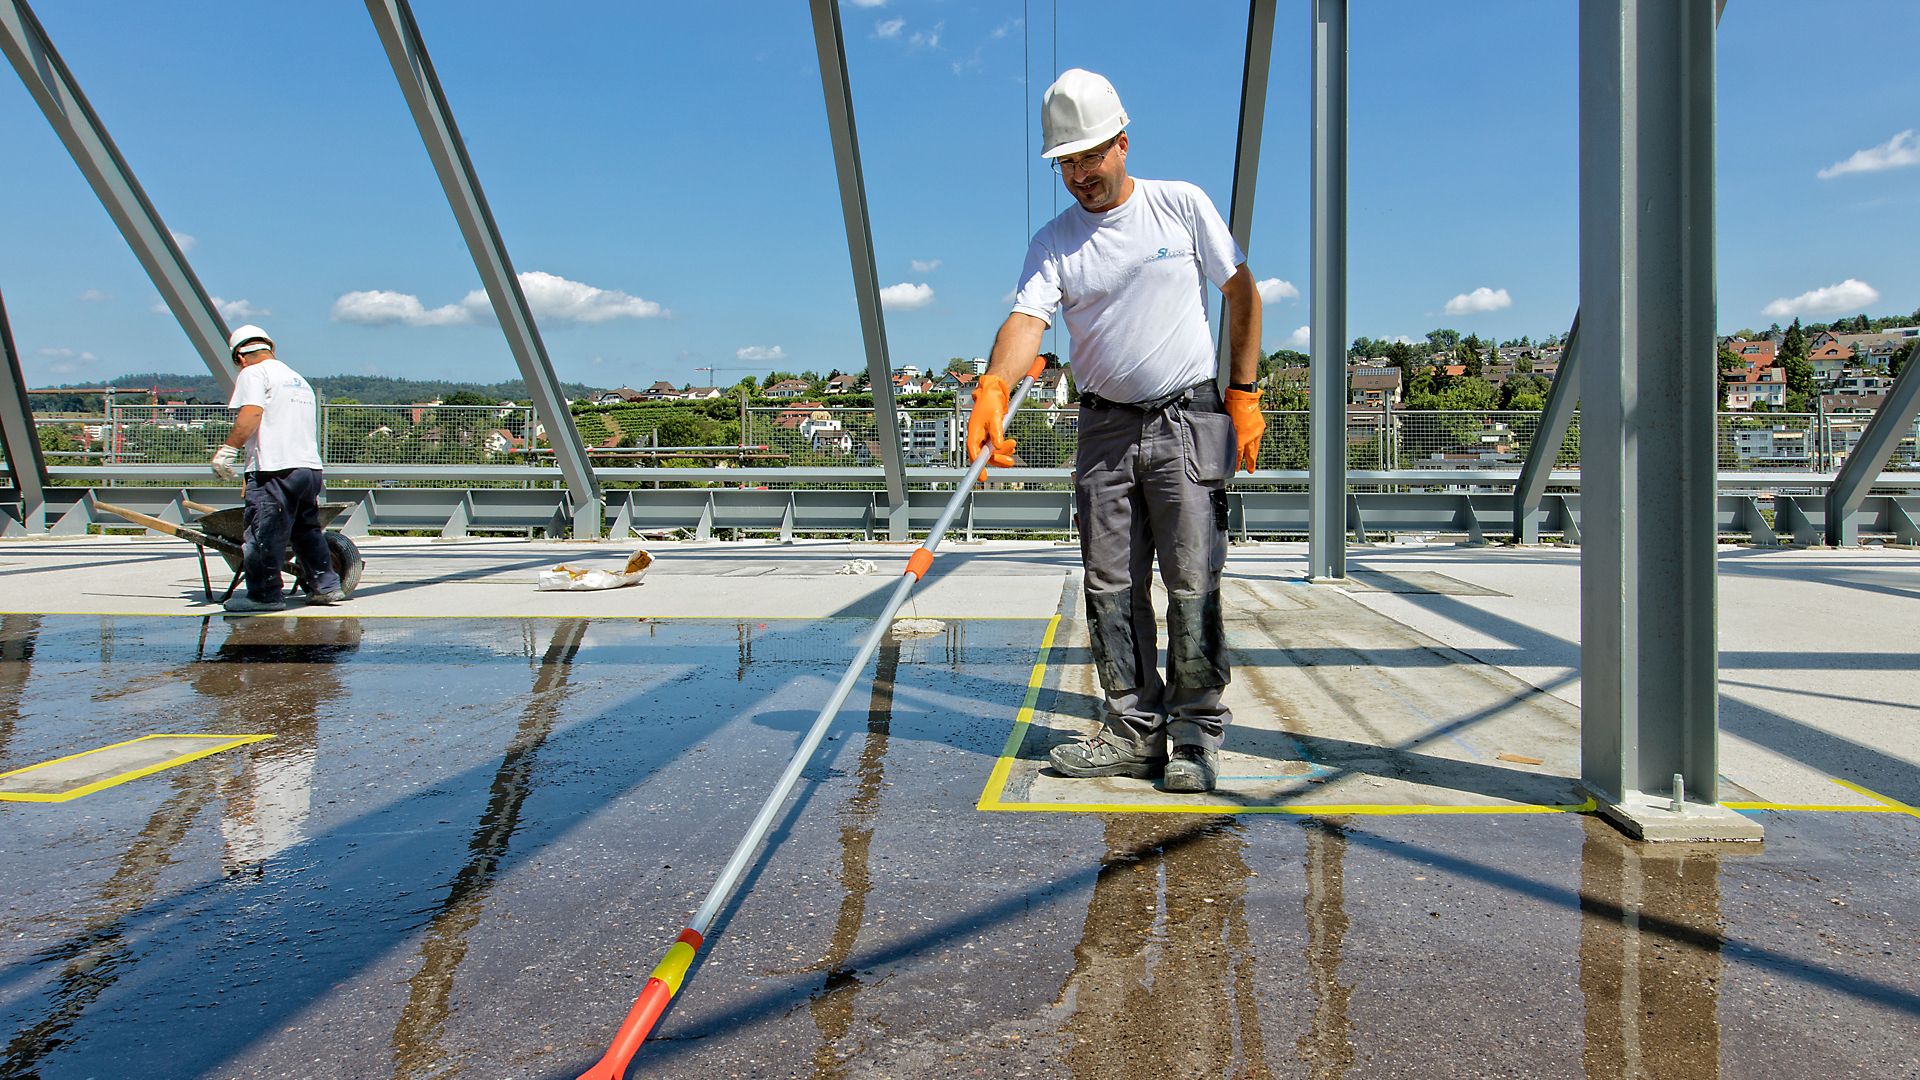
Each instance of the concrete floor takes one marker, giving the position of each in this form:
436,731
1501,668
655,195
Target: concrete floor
485,812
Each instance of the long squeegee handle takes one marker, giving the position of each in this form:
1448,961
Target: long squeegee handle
666,979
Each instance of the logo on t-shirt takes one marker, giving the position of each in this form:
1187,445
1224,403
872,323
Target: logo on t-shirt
1170,253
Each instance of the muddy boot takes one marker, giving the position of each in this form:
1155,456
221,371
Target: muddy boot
1191,769
1099,756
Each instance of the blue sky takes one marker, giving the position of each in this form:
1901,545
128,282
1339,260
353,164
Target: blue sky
667,169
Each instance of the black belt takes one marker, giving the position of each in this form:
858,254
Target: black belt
1095,401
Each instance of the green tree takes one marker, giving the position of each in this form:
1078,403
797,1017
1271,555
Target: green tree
1794,342
959,364
1899,359
1469,392
1468,356
1443,339
468,397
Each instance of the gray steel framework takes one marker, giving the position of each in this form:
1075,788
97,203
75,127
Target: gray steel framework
1650,720
407,52
26,44
1327,378
1246,153
831,45
22,445
1563,397
1890,424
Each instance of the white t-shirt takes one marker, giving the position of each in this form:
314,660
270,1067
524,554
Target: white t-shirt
1133,283
286,439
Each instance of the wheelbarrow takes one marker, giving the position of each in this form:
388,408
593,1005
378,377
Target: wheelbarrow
222,530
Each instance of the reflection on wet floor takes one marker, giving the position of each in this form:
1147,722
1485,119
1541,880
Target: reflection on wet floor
423,853
1652,991
1162,983
1327,1046
418,1038
832,1006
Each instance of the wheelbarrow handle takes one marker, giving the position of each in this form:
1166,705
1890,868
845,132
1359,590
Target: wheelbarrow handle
194,536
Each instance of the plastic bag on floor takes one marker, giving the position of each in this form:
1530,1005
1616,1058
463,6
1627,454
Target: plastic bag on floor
564,578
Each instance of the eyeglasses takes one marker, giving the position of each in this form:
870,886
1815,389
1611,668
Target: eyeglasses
1087,162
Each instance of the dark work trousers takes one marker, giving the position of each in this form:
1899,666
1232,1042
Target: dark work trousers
284,506
1152,483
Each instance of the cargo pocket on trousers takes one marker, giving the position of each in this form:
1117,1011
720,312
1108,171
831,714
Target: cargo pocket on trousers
1213,450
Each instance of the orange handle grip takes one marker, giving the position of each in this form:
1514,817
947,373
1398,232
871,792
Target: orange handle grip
1039,365
919,562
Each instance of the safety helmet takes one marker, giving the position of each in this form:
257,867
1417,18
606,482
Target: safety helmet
1079,111
246,339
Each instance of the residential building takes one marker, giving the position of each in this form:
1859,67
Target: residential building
1766,386
701,393
786,388
1374,386
843,384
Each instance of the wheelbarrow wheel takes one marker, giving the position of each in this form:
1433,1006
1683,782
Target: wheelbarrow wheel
346,561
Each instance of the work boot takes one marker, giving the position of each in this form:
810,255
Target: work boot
1099,756
331,596
1192,769
241,603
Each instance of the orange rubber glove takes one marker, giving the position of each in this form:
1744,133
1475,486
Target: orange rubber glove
987,423
1248,425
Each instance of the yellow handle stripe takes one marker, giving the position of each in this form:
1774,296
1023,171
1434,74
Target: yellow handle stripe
673,969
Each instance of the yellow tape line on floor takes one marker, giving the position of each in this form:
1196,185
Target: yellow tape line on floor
221,742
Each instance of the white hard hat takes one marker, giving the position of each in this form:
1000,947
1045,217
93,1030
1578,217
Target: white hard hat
246,339
1079,111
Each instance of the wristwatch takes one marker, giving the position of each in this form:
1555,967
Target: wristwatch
1243,387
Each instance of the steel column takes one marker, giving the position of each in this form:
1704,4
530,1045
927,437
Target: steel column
1246,154
1327,378
26,44
1563,397
829,41
1889,425
407,53
25,463
1648,594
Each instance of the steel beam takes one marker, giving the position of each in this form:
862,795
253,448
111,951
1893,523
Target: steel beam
407,53
1327,377
1246,154
27,46
18,438
1650,719
830,42
1893,422
1563,398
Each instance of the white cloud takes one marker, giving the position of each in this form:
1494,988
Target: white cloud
1479,300
238,310
888,28
1901,150
1300,339
185,241
1004,29
552,298
906,296
925,266
1402,339
1849,295
928,38
1273,290
380,307
760,352
67,362
95,296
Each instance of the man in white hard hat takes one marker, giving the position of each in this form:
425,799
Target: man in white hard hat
1128,266
276,430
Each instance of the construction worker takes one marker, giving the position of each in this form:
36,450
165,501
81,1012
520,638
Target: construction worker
1128,265
275,427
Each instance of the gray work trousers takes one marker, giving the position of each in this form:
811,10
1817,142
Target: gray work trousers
282,508
1152,483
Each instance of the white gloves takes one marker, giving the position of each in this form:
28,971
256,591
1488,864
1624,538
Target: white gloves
224,461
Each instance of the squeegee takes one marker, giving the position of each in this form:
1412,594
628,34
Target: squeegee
672,969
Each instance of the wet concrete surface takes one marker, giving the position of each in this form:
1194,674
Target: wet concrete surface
469,841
